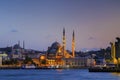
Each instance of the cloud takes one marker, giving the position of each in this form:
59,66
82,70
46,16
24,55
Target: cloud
91,38
14,30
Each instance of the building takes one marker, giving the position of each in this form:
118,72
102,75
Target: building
113,53
3,56
117,47
57,55
17,51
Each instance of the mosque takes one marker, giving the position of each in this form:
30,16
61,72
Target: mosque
57,53
58,56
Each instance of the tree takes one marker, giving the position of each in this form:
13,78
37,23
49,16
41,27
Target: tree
27,59
10,62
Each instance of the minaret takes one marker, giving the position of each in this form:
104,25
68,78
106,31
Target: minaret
73,44
23,48
19,48
64,42
19,43
23,44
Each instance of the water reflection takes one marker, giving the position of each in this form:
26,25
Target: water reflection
59,70
116,73
56,74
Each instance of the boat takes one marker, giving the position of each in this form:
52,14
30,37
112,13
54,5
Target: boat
28,66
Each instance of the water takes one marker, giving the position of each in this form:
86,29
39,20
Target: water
70,74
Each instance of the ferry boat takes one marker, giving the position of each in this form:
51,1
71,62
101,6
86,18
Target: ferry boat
28,66
108,68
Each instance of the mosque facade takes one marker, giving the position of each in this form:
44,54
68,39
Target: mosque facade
58,56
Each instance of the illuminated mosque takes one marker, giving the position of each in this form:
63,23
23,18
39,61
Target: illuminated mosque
57,53
57,56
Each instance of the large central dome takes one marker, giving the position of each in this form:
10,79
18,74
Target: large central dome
53,50
55,45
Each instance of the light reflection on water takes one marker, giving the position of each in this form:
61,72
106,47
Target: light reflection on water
59,70
116,73
58,74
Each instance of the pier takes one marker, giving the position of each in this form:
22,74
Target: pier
104,69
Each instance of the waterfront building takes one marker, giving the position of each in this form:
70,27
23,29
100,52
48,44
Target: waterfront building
113,53
117,46
17,51
77,62
90,62
57,55
3,56
40,60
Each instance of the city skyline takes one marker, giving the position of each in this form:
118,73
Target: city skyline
39,23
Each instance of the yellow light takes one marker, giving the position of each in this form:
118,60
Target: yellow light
42,57
94,62
115,61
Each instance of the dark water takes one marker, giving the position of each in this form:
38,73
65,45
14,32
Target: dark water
70,74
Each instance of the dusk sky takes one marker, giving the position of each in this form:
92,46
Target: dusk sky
40,22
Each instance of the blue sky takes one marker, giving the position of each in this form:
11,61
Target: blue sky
40,22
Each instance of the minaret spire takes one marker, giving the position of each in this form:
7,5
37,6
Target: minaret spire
23,44
64,42
19,43
73,44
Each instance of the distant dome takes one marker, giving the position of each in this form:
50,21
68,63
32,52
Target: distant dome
16,46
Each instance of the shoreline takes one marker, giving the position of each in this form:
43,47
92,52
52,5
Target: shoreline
104,69
41,68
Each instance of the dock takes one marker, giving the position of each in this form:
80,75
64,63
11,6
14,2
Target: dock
104,69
